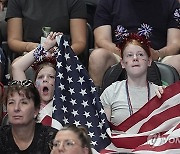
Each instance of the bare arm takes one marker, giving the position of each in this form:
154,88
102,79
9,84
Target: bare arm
20,65
172,47
103,39
15,36
78,32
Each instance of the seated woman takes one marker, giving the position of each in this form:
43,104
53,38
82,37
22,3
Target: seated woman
44,74
123,98
24,135
71,139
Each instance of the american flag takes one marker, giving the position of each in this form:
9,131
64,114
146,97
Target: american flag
155,128
76,100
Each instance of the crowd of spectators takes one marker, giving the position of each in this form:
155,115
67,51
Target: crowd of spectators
23,25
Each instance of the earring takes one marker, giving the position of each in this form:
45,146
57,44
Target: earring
35,116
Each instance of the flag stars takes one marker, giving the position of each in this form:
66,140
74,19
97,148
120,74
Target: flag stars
75,112
64,109
81,80
69,79
73,101
59,53
89,124
68,68
77,123
66,44
83,92
79,67
101,111
60,75
65,120
76,57
61,86
94,143
100,125
66,56
71,90
91,134
93,89
54,109
87,114
59,64
94,101
85,103
103,136
63,98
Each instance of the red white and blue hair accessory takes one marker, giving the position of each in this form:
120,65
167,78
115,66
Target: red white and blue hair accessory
121,32
122,36
177,16
145,30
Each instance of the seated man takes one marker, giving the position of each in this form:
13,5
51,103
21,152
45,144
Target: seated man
163,19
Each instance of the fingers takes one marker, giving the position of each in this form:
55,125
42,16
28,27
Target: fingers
52,35
159,91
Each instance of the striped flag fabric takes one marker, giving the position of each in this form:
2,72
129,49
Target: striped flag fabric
76,100
155,128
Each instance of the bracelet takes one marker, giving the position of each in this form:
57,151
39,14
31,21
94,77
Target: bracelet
39,53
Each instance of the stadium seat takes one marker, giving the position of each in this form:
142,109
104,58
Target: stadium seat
168,75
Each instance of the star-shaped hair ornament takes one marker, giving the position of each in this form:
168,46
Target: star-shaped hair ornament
145,30
121,33
177,16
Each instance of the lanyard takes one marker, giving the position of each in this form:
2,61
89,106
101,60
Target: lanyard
128,97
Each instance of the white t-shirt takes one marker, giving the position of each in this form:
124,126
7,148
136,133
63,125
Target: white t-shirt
115,97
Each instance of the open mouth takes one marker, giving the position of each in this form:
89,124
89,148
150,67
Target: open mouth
45,90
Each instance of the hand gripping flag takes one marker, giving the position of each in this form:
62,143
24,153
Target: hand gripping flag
76,100
155,128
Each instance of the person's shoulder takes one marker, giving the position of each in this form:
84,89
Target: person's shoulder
118,84
115,86
46,130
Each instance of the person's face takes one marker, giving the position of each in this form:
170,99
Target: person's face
67,142
45,83
21,110
135,60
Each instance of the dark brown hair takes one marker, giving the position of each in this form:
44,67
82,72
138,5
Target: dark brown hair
82,135
29,91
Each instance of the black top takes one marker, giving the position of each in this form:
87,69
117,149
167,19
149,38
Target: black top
45,13
159,14
43,135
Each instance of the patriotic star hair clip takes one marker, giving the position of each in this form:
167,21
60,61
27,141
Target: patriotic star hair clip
177,15
121,33
122,36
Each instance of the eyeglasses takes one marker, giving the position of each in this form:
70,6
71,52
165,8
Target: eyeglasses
68,144
23,83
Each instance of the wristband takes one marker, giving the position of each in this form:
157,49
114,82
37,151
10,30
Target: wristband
39,53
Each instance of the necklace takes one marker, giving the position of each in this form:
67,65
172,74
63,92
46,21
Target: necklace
128,97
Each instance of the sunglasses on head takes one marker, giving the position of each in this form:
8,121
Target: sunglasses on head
23,83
